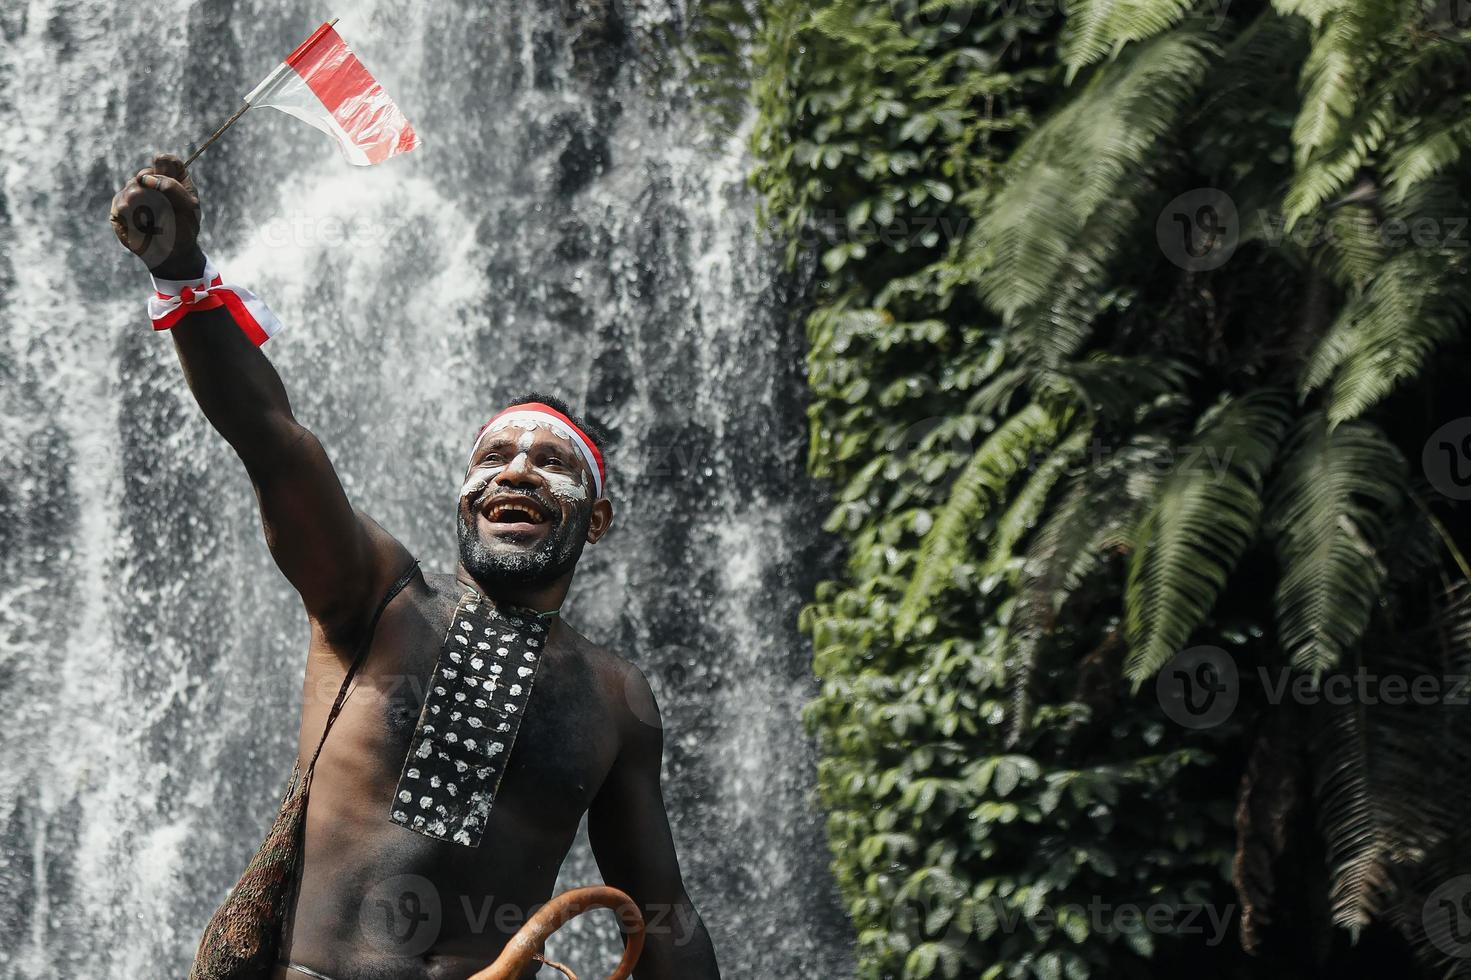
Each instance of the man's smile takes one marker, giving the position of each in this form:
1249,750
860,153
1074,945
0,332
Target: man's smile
515,513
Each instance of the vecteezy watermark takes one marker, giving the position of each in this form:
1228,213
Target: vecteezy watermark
1122,918
1186,456
930,912
949,17
1449,16
1365,687
1199,688
1446,459
1447,917
934,450
152,223
1445,231
673,674
307,230
677,460
407,914
1199,230
402,915
945,16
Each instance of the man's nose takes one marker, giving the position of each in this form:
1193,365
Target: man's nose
518,473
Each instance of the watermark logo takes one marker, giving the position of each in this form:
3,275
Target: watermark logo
1446,459
1447,917
1352,225
948,17
402,915
1199,688
151,223
1451,16
934,457
1199,230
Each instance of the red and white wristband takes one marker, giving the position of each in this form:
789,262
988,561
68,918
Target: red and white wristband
172,299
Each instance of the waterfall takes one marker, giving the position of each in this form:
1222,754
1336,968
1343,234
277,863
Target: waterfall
571,223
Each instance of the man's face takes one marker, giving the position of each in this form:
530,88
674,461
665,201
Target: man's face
527,506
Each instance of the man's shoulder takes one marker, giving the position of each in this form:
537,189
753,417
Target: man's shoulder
623,683
442,583
598,656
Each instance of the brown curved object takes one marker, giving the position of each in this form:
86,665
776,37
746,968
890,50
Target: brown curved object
525,947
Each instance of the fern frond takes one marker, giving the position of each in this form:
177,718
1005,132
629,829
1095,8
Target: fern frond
1321,177
1204,518
994,465
1416,301
1326,514
1427,150
1353,829
1332,78
1314,11
1355,248
1092,152
1446,797
1098,29
1111,387
1026,507
1384,780
1092,521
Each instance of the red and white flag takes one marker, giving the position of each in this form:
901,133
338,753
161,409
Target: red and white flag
324,84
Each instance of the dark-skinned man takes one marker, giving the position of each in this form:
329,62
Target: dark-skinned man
479,727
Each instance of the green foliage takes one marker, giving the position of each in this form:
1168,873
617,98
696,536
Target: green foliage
1071,191
1415,301
1098,29
1202,521
1327,522
1061,453
982,482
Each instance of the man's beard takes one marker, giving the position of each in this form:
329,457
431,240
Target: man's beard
553,557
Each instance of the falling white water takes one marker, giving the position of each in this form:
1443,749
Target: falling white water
567,225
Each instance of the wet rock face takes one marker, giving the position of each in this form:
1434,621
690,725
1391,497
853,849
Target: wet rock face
596,31
560,229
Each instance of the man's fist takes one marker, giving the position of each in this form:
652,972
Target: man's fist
156,217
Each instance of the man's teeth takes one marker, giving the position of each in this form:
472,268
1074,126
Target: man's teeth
514,514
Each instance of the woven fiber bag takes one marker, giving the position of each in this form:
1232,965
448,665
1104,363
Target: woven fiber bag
243,938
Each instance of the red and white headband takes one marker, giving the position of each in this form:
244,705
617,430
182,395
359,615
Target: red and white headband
536,413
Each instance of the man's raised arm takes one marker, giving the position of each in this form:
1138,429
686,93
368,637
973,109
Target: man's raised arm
338,560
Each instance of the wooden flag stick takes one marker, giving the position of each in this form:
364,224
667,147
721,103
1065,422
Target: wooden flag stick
218,133
229,122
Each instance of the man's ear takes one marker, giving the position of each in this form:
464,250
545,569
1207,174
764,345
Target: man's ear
602,519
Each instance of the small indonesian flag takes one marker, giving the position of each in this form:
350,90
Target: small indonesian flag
324,84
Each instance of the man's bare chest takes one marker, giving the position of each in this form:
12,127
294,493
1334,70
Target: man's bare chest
399,710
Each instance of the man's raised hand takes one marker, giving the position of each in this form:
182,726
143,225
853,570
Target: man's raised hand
156,216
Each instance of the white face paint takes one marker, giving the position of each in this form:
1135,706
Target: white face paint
564,486
475,483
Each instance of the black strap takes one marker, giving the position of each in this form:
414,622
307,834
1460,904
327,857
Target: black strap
360,656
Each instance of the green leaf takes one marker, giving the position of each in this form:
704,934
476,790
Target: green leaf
1327,512
998,460
1191,538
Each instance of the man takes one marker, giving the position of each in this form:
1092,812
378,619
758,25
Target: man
454,778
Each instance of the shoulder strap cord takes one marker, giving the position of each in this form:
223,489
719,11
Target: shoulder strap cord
360,656
293,888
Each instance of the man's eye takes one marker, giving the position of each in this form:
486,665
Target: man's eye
554,461
491,458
